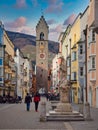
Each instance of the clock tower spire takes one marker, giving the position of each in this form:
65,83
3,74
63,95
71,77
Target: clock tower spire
42,31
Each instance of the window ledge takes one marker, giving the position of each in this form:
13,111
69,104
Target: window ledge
93,69
73,80
81,76
92,42
92,80
74,60
92,55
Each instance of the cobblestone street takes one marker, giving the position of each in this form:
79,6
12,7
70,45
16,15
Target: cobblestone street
15,116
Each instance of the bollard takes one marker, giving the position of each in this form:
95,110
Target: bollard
81,108
43,112
87,114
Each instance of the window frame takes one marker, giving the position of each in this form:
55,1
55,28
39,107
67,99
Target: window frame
93,64
74,56
81,49
74,76
93,35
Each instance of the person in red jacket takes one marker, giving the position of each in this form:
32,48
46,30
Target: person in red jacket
36,101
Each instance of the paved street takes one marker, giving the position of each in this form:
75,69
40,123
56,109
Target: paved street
15,116
87,125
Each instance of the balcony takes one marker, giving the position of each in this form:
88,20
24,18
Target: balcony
13,81
7,81
6,62
13,69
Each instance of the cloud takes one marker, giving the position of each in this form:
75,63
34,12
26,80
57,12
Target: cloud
55,6
19,22
28,30
19,25
57,29
54,36
20,4
70,19
55,32
51,21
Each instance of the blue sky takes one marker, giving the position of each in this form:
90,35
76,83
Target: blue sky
23,15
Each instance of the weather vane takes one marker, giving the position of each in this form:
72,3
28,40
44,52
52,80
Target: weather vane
42,12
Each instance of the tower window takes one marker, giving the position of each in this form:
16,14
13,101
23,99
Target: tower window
41,36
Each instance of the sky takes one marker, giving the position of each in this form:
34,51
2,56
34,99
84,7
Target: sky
23,15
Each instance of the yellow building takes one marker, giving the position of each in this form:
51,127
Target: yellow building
9,67
7,64
75,37
69,46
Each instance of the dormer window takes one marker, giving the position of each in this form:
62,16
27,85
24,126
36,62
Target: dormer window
41,36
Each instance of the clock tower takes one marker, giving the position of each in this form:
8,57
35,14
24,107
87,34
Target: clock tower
42,31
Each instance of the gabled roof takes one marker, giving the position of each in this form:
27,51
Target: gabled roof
42,19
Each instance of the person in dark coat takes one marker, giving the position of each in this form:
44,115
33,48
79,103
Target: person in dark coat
47,97
28,100
36,101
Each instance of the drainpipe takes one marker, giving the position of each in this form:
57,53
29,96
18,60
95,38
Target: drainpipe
85,33
87,114
70,74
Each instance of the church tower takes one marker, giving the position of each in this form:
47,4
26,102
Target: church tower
42,31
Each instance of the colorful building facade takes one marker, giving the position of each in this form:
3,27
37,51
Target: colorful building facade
92,56
7,64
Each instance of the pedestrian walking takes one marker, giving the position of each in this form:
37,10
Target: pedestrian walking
36,101
47,97
28,100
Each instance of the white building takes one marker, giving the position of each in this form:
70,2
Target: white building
27,74
24,74
81,56
54,72
19,59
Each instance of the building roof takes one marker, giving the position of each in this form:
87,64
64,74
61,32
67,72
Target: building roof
42,19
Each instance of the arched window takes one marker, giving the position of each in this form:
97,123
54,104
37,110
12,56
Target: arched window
41,36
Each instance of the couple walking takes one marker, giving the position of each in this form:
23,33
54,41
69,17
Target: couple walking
36,100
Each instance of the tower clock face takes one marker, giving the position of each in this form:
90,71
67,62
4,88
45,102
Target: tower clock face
42,55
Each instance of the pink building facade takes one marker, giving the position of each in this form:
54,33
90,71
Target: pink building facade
92,54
